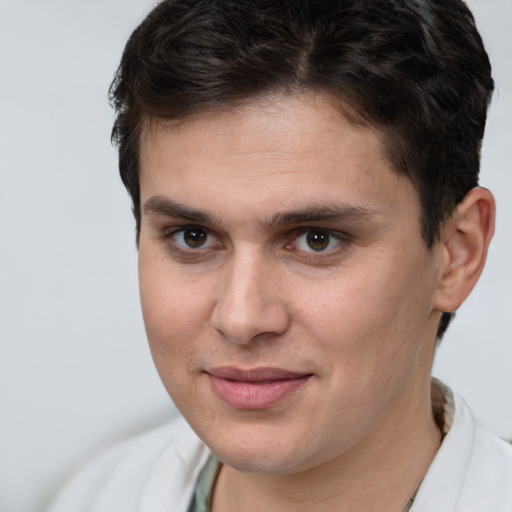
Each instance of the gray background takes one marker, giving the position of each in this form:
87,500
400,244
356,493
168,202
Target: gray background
75,370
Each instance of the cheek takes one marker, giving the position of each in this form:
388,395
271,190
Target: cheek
170,329
174,311
371,318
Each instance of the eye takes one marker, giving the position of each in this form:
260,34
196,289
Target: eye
317,240
193,238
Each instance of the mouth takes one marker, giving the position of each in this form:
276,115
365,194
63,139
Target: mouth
257,388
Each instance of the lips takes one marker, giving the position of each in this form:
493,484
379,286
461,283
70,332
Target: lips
254,389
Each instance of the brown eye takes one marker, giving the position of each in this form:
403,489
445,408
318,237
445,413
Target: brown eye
314,240
318,240
193,238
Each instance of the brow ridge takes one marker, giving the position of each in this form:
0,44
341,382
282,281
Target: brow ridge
324,212
160,205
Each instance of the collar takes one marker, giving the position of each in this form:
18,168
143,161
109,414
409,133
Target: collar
443,483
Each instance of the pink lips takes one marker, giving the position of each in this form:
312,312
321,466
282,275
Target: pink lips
254,389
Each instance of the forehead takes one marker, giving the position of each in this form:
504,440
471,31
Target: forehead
279,150
279,110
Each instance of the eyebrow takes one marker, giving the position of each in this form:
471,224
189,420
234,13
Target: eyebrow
159,205
323,213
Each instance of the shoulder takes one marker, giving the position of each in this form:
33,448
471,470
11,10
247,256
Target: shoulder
152,472
472,471
488,483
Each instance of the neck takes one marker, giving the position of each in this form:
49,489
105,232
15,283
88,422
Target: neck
380,473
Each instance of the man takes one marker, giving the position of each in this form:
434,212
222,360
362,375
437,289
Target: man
304,178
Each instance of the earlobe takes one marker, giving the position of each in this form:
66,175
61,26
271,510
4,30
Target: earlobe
466,236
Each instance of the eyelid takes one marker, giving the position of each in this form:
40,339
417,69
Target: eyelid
290,247
340,236
168,235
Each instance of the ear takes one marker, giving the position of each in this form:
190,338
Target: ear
465,240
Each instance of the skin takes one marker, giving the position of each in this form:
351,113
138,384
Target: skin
359,316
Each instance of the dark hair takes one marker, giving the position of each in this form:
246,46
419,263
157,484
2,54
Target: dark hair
414,69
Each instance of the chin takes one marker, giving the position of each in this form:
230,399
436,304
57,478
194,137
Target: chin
271,455
261,462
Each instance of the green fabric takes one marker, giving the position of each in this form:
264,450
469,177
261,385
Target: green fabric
201,501
409,504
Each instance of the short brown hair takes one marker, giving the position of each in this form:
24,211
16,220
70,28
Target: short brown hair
414,69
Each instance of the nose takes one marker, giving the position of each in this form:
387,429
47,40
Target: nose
250,304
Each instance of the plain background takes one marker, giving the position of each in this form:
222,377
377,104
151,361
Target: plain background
75,371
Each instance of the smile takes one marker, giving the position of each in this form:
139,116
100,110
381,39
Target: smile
254,389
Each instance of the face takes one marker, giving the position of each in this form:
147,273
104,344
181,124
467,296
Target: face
286,290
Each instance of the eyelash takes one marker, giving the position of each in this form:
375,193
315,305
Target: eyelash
333,236
341,239
168,238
